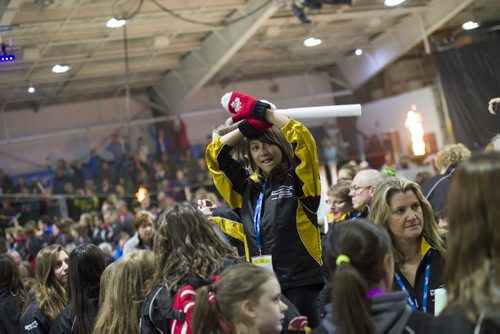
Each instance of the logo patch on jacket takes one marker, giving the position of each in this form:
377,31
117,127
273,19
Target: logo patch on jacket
282,192
31,326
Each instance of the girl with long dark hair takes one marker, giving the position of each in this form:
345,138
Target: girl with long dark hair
86,264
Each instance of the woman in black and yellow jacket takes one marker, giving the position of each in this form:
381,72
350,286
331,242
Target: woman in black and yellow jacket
277,201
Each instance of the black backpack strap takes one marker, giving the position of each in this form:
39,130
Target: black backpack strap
157,311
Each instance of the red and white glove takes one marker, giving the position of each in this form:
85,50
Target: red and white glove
250,110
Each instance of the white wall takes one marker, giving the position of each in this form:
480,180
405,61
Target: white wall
390,114
29,140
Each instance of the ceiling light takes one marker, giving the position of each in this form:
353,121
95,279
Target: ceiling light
31,89
60,68
392,3
7,57
311,41
4,55
358,52
469,25
114,23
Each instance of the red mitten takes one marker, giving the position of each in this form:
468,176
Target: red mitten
239,104
245,106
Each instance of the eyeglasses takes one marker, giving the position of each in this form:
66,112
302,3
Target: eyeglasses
336,203
356,189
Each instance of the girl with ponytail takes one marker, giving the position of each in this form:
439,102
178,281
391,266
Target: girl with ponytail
359,258
246,299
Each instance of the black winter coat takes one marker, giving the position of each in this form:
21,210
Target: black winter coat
33,321
65,322
10,312
453,320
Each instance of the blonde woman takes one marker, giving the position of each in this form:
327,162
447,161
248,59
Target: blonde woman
399,206
48,297
124,293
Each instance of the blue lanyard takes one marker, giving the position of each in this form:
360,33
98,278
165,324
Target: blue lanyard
257,215
413,303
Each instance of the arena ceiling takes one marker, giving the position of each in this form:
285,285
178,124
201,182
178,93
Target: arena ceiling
175,47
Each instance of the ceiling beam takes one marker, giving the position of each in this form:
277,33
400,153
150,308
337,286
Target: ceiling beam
198,67
32,13
8,9
397,40
359,13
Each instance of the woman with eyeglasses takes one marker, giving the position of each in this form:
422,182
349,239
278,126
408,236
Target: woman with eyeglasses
400,207
339,202
340,209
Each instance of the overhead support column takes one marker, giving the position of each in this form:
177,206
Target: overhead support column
399,39
198,67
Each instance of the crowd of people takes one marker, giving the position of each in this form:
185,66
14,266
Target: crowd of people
258,261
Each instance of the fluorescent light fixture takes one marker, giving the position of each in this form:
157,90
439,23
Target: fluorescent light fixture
358,52
31,89
469,25
114,23
392,3
60,68
311,41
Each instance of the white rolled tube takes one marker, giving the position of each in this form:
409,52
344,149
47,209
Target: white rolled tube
343,110
322,111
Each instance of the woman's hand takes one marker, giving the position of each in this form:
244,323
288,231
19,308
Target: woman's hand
206,207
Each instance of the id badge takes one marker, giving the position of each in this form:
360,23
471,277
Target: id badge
264,261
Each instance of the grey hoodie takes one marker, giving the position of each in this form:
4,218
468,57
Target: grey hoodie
390,314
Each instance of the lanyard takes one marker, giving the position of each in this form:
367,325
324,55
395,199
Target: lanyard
257,215
413,303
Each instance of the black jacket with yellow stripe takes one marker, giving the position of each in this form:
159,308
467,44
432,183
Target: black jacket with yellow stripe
289,227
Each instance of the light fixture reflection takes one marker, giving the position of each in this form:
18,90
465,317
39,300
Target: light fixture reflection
414,124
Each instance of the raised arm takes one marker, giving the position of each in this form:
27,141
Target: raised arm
232,138
276,119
